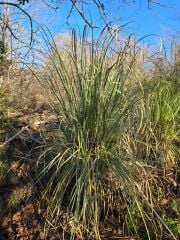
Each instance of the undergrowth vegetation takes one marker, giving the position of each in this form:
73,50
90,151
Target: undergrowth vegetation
112,155
89,124
7,113
154,132
116,143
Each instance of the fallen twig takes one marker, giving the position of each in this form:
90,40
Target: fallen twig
15,136
28,137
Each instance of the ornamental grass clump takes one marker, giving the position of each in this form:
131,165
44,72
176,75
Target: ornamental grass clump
152,140
164,122
154,135
84,165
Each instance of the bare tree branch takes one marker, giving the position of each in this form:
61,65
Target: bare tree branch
12,33
82,14
22,10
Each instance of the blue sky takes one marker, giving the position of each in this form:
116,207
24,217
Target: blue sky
161,20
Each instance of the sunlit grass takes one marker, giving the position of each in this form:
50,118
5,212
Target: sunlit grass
154,136
93,162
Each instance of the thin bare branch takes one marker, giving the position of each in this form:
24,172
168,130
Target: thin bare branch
82,14
22,10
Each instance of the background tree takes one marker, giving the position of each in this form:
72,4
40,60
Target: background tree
4,39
